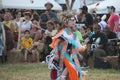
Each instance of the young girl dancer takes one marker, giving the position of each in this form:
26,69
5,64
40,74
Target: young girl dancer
66,48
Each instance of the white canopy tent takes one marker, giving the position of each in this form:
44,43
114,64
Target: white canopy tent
28,4
101,7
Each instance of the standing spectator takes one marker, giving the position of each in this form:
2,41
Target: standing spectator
48,15
8,22
88,17
113,20
9,30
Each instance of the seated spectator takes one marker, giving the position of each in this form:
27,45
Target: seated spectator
103,23
39,35
98,43
50,29
112,41
49,33
109,33
89,32
46,49
17,22
34,28
26,45
79,36
48,15
83,31
26,24
39,42
17,19
85,34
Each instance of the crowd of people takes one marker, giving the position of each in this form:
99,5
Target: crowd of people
36,30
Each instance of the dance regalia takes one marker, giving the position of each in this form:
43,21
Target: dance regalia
67,50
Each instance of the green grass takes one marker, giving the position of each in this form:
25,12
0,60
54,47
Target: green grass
24,72
40,71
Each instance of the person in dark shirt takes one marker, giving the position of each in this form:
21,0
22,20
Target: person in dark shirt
88,17
109,33
48,15
98,43
112,41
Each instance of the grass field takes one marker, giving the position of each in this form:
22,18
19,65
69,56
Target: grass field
40,71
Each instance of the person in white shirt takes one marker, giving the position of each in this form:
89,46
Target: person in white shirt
26,24
18,18
103,23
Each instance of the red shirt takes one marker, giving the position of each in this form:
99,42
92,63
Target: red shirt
112,19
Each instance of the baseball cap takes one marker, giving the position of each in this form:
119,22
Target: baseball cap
84,8
111,7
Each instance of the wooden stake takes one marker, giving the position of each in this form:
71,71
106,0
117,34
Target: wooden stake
19,36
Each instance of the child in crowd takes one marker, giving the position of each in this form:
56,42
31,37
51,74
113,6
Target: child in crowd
50,29
34,28
26,45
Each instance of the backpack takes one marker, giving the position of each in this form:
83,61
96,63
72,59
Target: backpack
101,64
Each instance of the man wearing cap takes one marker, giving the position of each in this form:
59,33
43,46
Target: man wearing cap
48,15
88,17
113,20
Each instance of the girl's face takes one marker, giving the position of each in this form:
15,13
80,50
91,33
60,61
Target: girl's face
18,15
34,23
71,22
49,27
27,34
82,30
27,17
7,16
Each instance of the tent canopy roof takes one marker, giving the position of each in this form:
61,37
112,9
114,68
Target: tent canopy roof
29,4
102,6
